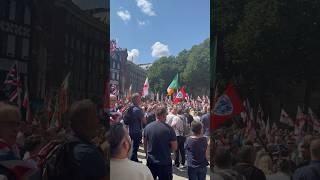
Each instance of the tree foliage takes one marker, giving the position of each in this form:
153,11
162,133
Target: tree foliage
269,46
192,65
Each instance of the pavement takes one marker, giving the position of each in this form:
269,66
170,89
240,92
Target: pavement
178,173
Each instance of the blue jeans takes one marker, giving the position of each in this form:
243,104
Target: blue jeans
197,173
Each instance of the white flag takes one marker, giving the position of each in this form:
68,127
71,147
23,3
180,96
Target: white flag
284,118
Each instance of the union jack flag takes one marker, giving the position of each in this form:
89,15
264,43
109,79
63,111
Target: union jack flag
12,84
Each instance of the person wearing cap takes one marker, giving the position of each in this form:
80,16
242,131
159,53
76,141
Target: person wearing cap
9,124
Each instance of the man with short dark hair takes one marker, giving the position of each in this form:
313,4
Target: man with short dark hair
137,119
121,167
311,171
159,140
86,161
245,166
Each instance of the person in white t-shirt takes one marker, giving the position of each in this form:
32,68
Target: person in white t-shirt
121,168
171,115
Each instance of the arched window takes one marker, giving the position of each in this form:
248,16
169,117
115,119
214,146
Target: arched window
12,12
27,15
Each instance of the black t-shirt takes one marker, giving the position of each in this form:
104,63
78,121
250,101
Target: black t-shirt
159,135
196,152
136,118
89,161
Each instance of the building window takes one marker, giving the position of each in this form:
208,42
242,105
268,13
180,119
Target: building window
25,48
72,42
71,59
118,77
27,15
114,64
83,48
101,69
102,54
12,12
96,52
66,40
78,45
118,65
11,45
112,75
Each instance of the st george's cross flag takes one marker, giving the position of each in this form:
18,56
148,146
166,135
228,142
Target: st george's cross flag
145,91
180,95
227,106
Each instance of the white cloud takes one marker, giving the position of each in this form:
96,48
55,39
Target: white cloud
142,23
133,55
146,7
159,50
124,15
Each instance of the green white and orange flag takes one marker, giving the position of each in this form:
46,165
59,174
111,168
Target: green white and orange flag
173,85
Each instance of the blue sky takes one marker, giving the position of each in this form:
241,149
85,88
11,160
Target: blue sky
156,28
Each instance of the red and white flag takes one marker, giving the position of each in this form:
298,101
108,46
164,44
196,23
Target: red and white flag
26,106
145,91
300,122
285,119
180,95
227,106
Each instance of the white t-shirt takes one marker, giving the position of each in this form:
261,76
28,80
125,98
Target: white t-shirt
177,125
125,169
169,118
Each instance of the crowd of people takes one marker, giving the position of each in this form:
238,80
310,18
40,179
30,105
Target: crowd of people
278,154
32,151
163,128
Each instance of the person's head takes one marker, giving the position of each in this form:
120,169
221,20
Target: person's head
174,110
9,123
196,128
315,149
161,113
113,100
136,99
84,118
179,110
304,147
247,154
120,142
264,162
223,158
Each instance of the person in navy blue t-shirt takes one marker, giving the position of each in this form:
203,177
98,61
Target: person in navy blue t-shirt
196,147
137,119
159,141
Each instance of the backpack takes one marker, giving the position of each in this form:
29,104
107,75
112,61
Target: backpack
127,115
55,158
